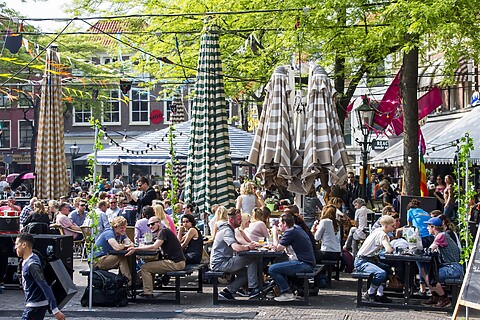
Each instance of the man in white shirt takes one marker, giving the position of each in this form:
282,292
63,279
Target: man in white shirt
357,233
113,211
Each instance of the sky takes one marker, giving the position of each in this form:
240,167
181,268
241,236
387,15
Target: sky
40,9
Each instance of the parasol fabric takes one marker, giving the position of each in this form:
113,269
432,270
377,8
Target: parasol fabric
177,115
209,168
50,163
324,141
273,151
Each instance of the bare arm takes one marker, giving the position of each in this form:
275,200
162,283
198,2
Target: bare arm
115,245
191,233
242,247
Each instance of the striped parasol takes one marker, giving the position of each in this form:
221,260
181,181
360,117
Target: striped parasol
273,151
325,154
50,164
209,167
178,116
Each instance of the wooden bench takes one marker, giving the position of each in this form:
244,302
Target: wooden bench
329,264
360,276
455,284
214,275
187,271
306,276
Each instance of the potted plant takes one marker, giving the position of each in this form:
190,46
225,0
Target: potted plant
270,203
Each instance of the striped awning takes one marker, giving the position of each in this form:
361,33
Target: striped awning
153,149
209,167
50,163
273,151
432,73
325,151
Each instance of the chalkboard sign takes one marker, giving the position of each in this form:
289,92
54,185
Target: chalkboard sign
470,292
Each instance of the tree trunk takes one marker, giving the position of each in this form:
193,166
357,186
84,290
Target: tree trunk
410,123
342,100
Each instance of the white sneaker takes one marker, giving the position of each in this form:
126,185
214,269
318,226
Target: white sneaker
285,297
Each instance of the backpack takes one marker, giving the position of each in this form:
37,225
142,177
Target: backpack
347,261
108,289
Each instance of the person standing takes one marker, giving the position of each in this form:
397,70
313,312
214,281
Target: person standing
38,294
146,199
449,206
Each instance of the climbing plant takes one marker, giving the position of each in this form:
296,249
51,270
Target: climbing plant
169,171
464,195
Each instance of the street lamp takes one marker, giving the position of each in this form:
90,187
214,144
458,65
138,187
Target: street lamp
74,149
365,115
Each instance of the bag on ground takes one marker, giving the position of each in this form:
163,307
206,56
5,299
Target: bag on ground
108,289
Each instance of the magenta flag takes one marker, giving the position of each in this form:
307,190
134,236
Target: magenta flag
390,103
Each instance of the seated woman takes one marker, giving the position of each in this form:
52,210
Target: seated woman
221,215
165,219
190,239
449,267
327,231
240,235
141,226
257,228
39,214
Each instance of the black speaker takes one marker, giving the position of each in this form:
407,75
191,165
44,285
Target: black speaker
60,281
426,203
8,260
57,245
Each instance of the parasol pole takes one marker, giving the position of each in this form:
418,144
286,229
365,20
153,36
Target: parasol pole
90,294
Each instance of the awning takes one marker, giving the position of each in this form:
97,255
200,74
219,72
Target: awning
434,127
240,143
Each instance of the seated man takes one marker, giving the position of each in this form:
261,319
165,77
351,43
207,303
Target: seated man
367,259
114,239
357,233
103,223
173,259
449,267
298,247
69,228
223,259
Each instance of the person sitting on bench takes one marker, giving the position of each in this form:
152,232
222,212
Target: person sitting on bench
367,259
190,239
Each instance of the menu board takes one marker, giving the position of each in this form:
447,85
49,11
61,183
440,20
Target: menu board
470,292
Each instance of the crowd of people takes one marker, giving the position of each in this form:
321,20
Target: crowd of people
329,229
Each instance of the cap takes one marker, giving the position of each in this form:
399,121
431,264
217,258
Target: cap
437,222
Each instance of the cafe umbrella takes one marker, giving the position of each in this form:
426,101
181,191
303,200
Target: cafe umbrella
50,163
209,168
325,155
177,115
273,152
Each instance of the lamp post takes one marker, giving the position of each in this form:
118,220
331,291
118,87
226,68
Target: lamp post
365,115
74,149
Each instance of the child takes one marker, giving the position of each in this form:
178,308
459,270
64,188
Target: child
367,259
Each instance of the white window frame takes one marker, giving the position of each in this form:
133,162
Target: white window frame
147,92
166,105
110,102
9,134
22,97
81,124
19,145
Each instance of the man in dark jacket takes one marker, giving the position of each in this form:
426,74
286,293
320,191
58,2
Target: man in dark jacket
148,194
38,294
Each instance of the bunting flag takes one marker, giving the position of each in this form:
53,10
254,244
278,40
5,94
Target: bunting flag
423,172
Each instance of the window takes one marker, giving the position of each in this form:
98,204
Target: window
5,134
81,113
4,102
140,109
26,98
111,110
25,134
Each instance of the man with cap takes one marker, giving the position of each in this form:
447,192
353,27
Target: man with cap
449,256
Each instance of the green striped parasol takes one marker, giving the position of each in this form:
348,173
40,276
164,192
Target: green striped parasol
209,168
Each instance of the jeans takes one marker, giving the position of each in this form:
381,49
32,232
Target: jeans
280,271
426,242
380,270
34,313
449,211
453,270
245,269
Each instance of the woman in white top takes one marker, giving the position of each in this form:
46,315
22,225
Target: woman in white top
248,199
327,231
257,227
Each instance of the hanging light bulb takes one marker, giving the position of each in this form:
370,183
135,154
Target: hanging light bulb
110,143
124,138
105,137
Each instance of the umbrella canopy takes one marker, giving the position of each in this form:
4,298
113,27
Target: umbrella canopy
324,142
273,151
19,177
177,108
12,176
50,164
209,167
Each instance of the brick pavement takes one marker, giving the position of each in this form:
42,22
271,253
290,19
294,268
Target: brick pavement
335,303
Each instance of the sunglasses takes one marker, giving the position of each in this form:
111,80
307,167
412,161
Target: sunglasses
82,205
113,201
152,224
140,184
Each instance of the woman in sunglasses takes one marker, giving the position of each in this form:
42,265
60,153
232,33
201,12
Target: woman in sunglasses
190,239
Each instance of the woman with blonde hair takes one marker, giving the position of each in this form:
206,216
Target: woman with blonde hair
257,227
166,220
240,235
221,215
248,198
